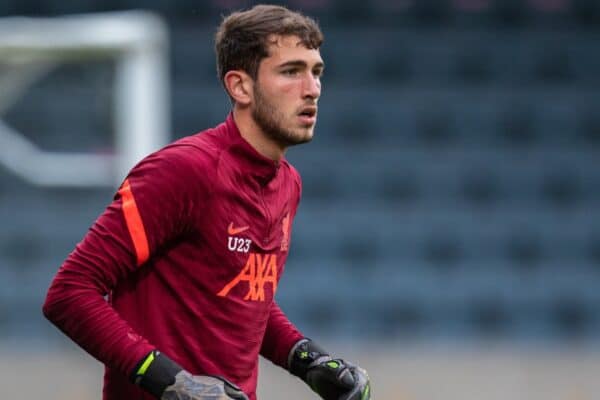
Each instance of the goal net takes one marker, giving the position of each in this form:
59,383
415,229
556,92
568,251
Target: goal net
135,43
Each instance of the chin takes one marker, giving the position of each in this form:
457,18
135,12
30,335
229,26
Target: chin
299,138
305,135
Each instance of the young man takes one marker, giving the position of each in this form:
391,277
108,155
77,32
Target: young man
191,250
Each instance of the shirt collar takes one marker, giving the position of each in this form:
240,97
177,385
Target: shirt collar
250,159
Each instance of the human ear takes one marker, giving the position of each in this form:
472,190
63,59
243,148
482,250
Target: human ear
239,86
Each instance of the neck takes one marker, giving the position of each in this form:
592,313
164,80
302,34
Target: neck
254,135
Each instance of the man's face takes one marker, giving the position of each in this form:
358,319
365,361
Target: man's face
286,91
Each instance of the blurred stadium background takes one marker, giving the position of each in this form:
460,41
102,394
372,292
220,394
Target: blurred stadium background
449,235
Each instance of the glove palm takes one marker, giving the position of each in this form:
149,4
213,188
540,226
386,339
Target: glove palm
201,387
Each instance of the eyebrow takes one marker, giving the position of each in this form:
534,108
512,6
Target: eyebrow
300,63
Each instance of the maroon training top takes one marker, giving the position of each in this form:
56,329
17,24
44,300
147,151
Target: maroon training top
189,253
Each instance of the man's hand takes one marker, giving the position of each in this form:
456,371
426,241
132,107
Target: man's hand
190,387
331,379
167,380
362,385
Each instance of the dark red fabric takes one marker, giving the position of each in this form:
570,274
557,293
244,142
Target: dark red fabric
217,219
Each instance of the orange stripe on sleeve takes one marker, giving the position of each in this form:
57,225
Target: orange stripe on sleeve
134,223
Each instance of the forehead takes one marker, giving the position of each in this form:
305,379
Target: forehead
285,48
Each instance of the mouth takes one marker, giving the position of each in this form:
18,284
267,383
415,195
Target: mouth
308,115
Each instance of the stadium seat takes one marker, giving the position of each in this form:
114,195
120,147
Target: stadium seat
589,129
511,13
593,251
561,188
489,317
552,65
399,187
571,317
480,188
442,251
523,249
435,128
393,66
587,12
472,65
516,126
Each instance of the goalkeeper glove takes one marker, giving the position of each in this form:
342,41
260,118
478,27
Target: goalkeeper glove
166,380
332,379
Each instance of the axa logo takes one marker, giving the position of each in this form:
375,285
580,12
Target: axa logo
235,243
260,270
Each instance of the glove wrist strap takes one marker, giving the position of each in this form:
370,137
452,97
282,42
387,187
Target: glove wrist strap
155,372
303,355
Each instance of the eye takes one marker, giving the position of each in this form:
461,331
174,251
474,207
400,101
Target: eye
290,72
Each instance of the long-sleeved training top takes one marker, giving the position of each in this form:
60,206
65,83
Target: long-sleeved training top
186,260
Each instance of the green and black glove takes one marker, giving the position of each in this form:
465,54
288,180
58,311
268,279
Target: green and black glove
166,380
332,379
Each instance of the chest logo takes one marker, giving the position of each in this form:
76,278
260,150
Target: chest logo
259,270
231,230
235,243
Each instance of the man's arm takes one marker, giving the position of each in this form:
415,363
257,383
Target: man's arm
152,208
76,302
332,379
280,336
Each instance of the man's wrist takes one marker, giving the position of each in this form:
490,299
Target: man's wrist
155,372
304,354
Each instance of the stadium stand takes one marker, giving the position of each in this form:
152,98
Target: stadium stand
451,190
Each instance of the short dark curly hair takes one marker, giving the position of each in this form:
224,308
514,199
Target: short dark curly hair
242,39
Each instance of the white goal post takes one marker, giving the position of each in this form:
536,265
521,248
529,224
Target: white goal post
137,41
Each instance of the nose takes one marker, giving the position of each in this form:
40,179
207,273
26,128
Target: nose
312,87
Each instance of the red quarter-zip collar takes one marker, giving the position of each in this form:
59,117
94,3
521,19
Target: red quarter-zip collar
251,160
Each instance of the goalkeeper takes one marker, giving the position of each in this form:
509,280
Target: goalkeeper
173,286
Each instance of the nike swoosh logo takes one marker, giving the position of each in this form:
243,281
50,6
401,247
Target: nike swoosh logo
235,231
